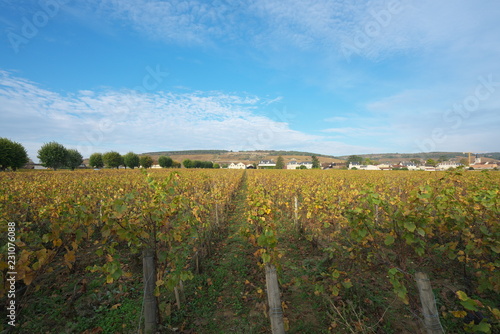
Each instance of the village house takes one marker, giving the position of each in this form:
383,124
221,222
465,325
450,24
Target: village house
263,164
293,164
483,165
445,165
239,165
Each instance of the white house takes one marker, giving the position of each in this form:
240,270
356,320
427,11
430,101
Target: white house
293,164
266,164
363,167
239,165
445,165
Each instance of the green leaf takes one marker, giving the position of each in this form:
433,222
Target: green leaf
389,240
266,258
483,327
362,233
484,230
336,274
410,226
469,305
347,283
421,231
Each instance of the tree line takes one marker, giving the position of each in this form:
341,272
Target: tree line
53,155
13,155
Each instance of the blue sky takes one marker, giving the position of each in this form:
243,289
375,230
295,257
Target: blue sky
327,76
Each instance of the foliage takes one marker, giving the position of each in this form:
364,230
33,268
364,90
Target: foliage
197,164
53,155
112,159
431,162
131,160
75,159
280,163
165,162
354,159
315,162
96,161
146,161
12,154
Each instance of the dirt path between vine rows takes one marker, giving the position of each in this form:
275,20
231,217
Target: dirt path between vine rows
230,294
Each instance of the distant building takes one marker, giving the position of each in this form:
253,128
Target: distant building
239,165
293,164
263,164
445,165
363,167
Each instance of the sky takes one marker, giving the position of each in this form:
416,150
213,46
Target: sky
326,76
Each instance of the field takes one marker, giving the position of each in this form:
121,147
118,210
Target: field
346,245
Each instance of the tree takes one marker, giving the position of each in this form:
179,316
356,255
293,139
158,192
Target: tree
216,165
112,159
431,162
12,154
165,162
176,164
415,161
369,161
131,160
315,161
187,163
354,159
96,160
146,161
280,163
53,155
302,167
75,159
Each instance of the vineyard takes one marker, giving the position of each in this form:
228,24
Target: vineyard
192,251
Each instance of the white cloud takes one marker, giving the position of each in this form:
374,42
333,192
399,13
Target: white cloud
123,121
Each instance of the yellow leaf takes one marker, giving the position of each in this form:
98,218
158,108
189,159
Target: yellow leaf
495,312
109,279
459,314
28,278
159,282
57,242
462,295
286,324
69,258
114,307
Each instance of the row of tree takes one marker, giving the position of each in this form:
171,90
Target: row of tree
199,164
130,160
53,155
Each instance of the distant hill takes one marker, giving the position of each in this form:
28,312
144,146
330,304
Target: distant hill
247,157
394,157
250,157
187,152
226,157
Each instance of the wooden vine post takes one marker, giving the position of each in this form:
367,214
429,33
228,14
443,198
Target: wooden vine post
274,300
431,316
149,272
296,215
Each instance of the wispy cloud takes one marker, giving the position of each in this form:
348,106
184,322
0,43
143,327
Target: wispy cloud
124,120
